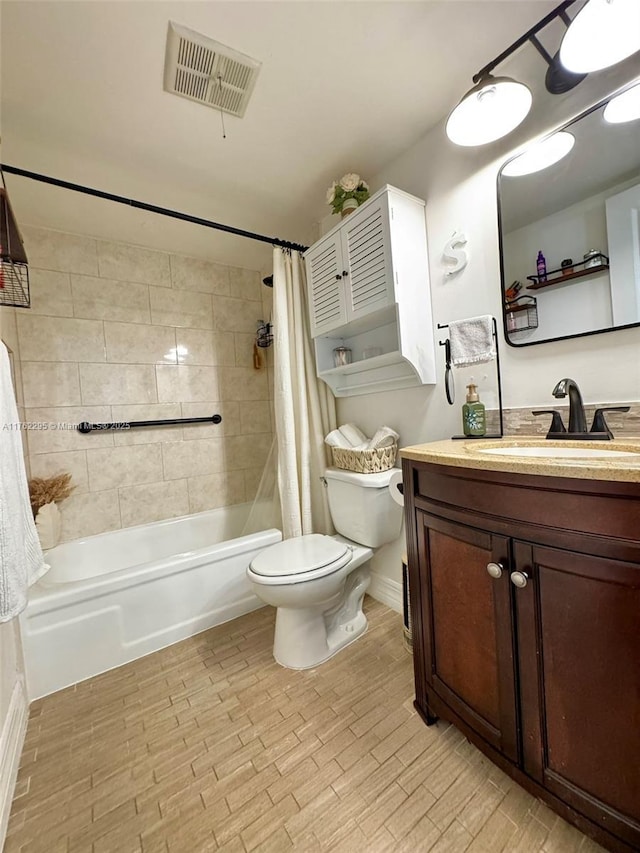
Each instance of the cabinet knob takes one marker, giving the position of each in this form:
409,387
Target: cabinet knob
495,570
345,273
338,277
519,579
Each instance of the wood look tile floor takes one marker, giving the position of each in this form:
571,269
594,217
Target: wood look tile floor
210,745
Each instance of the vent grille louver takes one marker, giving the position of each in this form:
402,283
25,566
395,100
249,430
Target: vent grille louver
203,70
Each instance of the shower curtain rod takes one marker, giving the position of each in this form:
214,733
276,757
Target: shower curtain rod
152,208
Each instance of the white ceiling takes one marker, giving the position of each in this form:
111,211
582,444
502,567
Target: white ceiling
344,86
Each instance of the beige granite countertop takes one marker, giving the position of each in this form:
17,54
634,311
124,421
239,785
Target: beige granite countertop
467,454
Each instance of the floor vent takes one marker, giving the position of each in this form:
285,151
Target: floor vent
203,70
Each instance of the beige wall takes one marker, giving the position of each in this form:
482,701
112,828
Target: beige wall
117,332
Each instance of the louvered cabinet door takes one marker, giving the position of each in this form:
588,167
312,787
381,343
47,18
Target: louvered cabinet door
367,254
327,304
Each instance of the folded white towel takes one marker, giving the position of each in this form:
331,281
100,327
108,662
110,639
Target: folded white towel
336,439
353,435
384,437
21,560
472,340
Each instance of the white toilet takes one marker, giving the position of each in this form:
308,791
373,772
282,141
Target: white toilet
318,582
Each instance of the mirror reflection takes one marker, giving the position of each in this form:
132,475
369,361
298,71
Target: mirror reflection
570,228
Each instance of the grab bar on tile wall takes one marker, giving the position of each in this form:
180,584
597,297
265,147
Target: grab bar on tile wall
86,427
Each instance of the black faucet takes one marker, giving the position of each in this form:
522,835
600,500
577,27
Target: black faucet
577,417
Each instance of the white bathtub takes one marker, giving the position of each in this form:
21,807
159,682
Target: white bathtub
112,598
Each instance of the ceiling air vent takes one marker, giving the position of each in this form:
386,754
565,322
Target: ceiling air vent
203,70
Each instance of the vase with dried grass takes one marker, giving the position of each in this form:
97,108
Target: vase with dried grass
45,494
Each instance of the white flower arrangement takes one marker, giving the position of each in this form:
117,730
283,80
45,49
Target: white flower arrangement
349,186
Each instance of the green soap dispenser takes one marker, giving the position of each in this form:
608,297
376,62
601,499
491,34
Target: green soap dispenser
474,418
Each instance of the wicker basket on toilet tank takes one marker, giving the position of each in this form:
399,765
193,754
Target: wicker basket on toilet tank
365,461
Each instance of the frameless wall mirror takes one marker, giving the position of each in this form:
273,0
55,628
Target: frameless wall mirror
569,222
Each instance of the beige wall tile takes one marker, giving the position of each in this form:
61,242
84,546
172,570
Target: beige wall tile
107,299
60,339
230,424
171,307
47,383
133,344
146,435
186,384
153,502
55,250
245,284
195,274
197,346
224,348
123,333
192,458
73,462
133,263
216,490
255,416
243,344
252,478
246,451
124,466
243,383
117,383
89,514
235,315
50,293
54,430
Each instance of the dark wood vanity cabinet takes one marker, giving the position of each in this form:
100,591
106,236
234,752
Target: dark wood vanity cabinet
525,597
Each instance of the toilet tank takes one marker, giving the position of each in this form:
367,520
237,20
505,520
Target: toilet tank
361,506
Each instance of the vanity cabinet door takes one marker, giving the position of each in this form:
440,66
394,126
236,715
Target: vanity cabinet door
327,299
578,620
467,627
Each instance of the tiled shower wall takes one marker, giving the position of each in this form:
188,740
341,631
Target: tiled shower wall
117,332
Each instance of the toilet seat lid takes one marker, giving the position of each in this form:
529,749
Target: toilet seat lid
313,553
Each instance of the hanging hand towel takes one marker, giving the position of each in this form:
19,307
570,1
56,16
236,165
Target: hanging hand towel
21,560
472,341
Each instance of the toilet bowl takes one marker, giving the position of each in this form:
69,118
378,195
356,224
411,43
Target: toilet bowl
317,582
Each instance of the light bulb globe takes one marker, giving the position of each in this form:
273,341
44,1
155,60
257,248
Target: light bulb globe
624,107
541,155
490,110
603,33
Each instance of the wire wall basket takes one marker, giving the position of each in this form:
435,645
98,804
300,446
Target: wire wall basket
14,284
14,274
522,314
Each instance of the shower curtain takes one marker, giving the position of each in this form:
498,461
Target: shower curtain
304,405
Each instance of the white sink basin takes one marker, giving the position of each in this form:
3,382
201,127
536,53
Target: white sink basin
542,450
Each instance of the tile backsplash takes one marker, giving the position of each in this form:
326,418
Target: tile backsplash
522,422
117,332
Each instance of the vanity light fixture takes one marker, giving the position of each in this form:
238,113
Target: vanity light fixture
497,105
624,107
541,155
491,109
603,33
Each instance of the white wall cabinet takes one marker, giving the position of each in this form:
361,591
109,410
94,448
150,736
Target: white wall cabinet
368,283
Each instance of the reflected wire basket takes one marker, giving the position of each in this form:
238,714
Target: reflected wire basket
14,284
365,461
14,273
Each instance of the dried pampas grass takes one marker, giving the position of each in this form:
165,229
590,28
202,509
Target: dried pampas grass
46,490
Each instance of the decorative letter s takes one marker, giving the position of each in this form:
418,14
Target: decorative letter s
458,256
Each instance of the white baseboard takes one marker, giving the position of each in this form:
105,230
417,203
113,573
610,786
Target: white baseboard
387,591
12,736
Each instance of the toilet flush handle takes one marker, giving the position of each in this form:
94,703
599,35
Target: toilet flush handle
323,480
